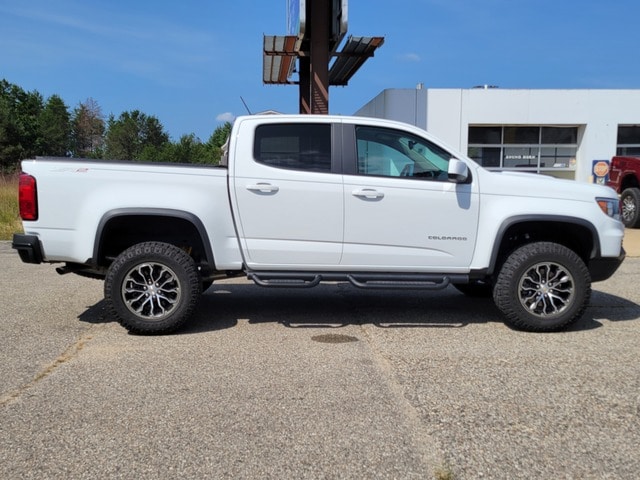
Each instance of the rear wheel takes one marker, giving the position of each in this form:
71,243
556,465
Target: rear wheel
542,287
152,288
630,200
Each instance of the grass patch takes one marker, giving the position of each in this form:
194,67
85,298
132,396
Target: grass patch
9,216
444,472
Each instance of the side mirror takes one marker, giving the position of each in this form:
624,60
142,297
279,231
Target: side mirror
458,171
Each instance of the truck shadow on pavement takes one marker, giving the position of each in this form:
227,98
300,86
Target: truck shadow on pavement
333,306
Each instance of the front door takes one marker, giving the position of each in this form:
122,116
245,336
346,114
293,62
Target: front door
401,212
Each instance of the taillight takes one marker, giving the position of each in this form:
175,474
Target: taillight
28,197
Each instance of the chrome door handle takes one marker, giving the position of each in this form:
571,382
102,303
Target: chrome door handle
369,193
263,188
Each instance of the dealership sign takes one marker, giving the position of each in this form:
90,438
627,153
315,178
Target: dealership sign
600,170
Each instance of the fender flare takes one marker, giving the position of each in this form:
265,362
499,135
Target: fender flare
155,212
564,219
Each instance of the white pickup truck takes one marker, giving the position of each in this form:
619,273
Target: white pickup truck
298,200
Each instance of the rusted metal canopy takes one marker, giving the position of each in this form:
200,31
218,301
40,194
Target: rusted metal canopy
355,52
280,54
316,29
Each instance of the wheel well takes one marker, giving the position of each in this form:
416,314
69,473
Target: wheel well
121,232
576,237
630,181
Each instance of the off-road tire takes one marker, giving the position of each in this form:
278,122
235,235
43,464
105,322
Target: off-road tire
152,288
630,202
542,287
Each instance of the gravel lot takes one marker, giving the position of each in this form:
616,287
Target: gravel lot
330,382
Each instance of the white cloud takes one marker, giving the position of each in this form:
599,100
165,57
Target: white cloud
225,117
410,57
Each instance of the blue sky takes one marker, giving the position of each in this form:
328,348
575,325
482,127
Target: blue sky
188,62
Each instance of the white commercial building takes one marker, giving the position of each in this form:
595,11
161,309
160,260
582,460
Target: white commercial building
554,132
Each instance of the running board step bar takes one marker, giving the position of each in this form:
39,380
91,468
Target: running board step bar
418,283
285,281
360,280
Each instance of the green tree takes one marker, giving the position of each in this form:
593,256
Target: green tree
54,125
88,127
28,108
10,149
19,120
134,136
220,135
216,141
189,149
29,127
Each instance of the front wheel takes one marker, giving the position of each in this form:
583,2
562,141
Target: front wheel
542,287
152,288
630,201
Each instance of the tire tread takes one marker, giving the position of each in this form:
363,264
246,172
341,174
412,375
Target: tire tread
148,251
633,192
508,303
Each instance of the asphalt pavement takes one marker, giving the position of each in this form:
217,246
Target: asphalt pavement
330,382
631,242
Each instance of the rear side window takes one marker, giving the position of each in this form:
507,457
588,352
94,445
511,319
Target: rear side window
294,146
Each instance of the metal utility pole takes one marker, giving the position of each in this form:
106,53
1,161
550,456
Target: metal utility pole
316,29
320,13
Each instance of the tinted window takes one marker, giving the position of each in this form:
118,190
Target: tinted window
394,153
294,146
485,135
629,134
486,156
527,147
520,135
559,135
628,151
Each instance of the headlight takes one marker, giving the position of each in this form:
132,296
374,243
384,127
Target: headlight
610,207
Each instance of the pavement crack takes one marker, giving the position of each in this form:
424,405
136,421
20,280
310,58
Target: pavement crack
69,354
424,443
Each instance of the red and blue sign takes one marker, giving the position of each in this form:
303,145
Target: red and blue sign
600,170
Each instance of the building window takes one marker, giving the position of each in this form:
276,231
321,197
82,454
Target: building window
628,140
529,148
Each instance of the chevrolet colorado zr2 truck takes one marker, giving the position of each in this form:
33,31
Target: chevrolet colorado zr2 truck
303,199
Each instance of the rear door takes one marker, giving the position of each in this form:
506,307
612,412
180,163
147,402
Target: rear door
287,194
